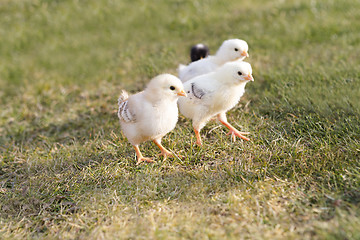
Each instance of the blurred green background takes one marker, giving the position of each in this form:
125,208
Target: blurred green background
64,160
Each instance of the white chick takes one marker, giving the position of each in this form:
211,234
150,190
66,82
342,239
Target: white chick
230,50
150,114
213,94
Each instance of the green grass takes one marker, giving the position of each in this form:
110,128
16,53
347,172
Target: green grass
67,172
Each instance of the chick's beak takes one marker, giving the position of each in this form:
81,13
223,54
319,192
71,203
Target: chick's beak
249,78
182,93
245,54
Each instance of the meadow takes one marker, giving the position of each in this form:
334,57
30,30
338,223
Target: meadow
67,172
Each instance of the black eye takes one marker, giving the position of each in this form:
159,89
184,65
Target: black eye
236,49
172,88
240,73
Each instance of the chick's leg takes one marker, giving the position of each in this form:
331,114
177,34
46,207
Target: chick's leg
166,153
233,131
140,157
198,137
198,125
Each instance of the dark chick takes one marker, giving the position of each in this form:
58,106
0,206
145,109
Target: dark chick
198,51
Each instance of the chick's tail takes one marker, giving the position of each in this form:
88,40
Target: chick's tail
124,113
123,97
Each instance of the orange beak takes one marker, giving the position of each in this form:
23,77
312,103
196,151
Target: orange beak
182,93
245,54
249,78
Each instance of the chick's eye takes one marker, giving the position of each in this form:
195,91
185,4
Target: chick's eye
172,88
240,73
236,49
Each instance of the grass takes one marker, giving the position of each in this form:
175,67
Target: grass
67,172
